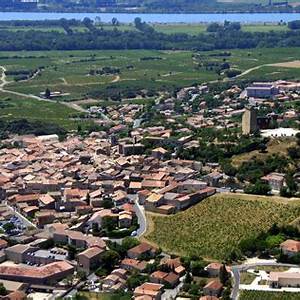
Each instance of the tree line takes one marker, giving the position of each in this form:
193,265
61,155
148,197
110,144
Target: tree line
145,37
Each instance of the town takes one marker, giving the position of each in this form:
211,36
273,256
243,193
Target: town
75,209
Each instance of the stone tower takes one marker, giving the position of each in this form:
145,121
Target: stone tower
249,121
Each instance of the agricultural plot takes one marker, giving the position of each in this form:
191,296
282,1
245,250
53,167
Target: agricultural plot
15,107
70,72
214,227
260,295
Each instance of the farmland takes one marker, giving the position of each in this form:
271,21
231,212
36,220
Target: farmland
140,73
14,107
214,227
192,29
69,71
259,295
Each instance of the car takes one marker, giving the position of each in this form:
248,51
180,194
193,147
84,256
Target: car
134,233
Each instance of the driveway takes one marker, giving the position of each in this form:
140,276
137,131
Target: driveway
244,267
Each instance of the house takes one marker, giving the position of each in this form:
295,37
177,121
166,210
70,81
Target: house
133,264
89,259
172,280
284,279
147,290
113,282
213,179
213,269
158,277
153,201
14,295
18,253
213,288
141,249
44,218
275,180
47,274
125,219
46,201
98,216
3,244
290,247
262,90
159,153
208,298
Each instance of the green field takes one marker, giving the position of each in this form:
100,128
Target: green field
259,295
214,227
68,71
15,107
192,29
140,70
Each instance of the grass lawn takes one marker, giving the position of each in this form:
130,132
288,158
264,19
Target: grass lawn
259,295
275,146
246,278
214,227
16,107
104,296
272,268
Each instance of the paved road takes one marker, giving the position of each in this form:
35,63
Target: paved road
140,212
237,269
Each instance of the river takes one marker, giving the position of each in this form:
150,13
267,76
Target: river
157,18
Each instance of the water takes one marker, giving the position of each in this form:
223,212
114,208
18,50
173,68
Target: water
157,18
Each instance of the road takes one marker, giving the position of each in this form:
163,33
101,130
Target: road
4,82
140,213
237,269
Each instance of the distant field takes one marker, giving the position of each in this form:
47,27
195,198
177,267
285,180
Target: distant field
259,295
67,71
15,107
214,227
192,29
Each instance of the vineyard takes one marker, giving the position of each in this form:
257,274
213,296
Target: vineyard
259,295
214,227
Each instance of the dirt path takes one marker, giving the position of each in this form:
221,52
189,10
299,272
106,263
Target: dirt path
116,79
4,82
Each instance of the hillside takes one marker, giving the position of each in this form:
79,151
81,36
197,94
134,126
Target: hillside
214,227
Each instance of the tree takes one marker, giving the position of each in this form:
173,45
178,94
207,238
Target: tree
135,280
109,259
223,275
188,278
3,290
109,223
107,203
71,252
115,21
9,227
88,199
130,242
47,93
259,188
